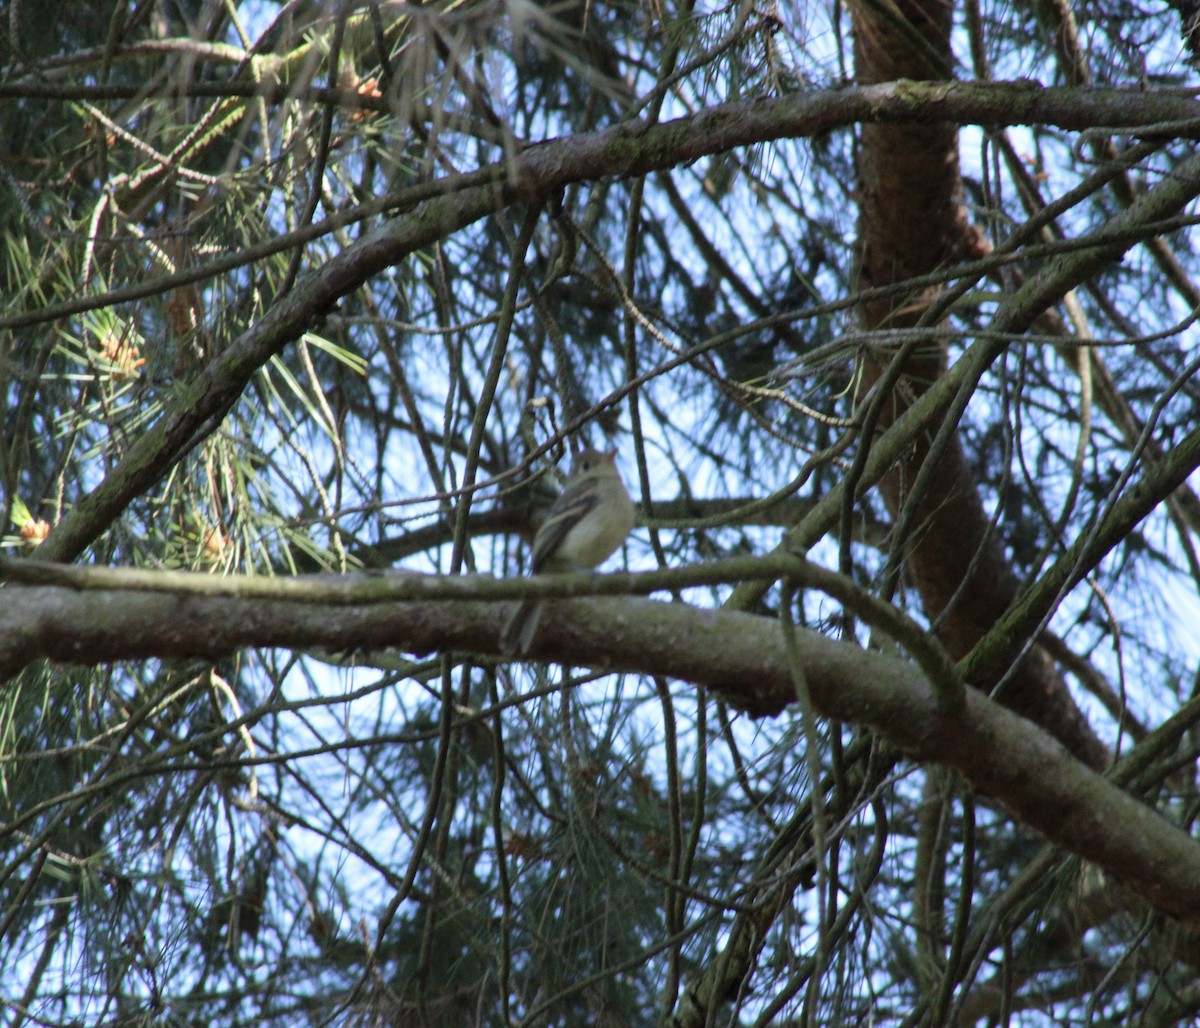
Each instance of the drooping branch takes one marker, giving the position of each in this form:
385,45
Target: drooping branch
538,174
742,656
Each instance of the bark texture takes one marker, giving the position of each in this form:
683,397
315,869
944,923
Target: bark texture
911,222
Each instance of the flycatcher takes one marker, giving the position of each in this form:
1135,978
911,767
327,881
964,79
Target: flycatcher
586,524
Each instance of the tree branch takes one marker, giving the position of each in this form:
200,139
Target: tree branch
740,655
538,174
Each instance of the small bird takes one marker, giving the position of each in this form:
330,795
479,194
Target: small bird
586,524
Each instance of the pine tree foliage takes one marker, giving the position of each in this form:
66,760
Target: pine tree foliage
889,312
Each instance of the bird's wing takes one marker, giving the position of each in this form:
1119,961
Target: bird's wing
576,502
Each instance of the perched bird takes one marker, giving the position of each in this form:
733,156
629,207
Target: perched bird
586,524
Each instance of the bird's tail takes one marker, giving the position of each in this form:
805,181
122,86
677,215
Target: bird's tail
518,632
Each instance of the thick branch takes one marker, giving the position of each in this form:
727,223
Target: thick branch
740,655
540,173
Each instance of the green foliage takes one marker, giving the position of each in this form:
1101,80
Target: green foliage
304,836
